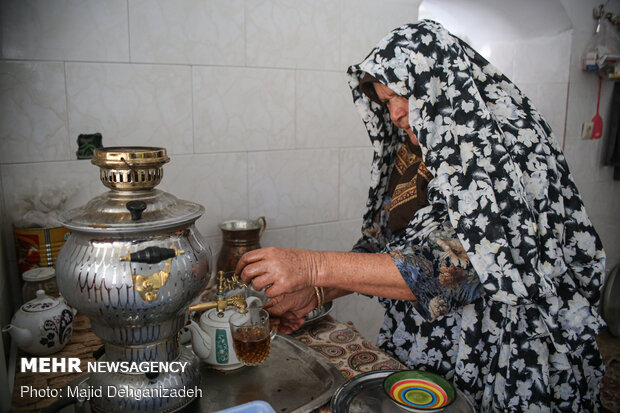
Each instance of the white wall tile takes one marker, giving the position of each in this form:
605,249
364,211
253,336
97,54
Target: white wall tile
579,41
284,237
331,236
243,109
79,180
543,59
552,105
65,30
503,58
550,100
300,34
132,104
364,312
581,105
187,31
34,112
354,181
216,181
325,114
365,22
599,197
294,187
584,160
215,243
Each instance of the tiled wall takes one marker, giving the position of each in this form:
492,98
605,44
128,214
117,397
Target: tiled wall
250,99
600,192
248,96
549,71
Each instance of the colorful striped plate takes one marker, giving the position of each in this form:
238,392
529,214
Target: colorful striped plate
419,391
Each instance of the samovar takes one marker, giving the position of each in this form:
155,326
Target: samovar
133,264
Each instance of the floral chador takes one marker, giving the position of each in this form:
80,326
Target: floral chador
504,262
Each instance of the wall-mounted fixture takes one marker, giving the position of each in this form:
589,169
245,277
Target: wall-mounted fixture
87,143
600,13
602,53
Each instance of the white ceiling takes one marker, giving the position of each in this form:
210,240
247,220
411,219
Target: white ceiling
483,21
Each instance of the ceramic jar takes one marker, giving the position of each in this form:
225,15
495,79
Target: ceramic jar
40,278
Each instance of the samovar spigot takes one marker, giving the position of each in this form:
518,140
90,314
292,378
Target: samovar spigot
221,302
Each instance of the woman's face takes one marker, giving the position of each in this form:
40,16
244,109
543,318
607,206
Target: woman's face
398,107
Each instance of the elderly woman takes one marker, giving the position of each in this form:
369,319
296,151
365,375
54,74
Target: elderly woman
475,238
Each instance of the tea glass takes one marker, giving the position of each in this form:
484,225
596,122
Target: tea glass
252,335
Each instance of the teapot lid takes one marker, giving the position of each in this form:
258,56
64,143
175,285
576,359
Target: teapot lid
42,302
132,205
211,317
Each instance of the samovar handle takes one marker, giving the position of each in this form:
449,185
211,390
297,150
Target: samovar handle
152,255
148,286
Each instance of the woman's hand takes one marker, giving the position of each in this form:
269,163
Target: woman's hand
297,304
284,270
288,311
287,323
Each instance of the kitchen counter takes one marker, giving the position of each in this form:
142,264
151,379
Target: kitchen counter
339,342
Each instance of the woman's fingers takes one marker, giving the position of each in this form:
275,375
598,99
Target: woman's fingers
291,325
299,303
248,258
288,323
282,270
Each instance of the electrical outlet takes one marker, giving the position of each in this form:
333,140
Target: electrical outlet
586,130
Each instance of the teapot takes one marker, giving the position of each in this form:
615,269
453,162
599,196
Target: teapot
43,325
212,339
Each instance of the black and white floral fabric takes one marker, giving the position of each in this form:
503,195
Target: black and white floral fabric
522,336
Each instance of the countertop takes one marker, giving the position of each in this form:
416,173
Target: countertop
339,342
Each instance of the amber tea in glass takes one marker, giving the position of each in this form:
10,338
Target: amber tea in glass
251,336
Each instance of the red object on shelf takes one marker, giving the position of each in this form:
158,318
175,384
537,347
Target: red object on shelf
597,121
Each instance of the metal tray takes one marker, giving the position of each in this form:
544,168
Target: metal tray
295,379
364,393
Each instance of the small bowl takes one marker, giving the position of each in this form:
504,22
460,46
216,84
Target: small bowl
419,391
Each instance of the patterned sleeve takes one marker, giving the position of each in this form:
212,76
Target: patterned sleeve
438,273
366,244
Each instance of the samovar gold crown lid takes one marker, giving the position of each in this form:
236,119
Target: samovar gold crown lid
130,168
132,206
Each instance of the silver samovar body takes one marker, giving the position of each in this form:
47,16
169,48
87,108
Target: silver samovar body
133,264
